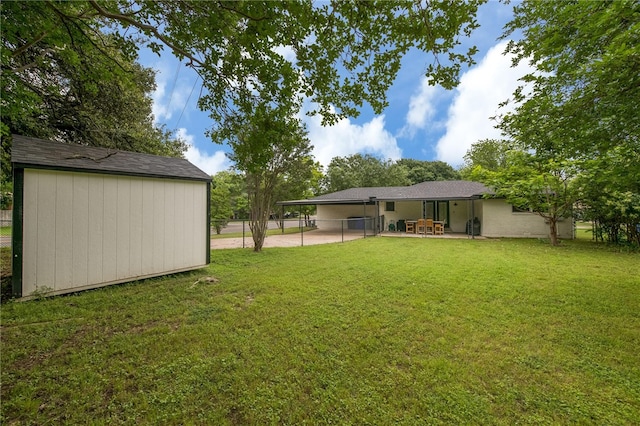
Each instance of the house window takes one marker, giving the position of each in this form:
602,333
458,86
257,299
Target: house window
390,206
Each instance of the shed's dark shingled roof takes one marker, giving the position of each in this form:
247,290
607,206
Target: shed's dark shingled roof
436,190
38,153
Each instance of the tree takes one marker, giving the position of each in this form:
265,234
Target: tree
300,182
71,82
221,202
423,171
345,53
366,170
545,186
609,199
490,154
237,186
65,79
267,145
581,103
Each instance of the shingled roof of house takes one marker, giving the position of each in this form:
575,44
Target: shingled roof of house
432,190
29,152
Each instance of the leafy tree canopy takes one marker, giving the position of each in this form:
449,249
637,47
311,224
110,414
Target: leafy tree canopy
579,111
269,147
422,171
346,53
360,170
65,79
237,186
490,154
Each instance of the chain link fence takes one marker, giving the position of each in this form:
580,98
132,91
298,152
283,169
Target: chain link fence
5,228
294,232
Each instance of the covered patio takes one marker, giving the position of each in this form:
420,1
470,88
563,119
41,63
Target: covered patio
451,207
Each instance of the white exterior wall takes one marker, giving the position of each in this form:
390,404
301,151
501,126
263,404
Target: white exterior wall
83,230
500,221
407,210
331,217
462,211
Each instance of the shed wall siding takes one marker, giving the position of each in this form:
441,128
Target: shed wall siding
500,221
83,230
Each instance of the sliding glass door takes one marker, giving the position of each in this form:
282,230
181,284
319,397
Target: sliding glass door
437,210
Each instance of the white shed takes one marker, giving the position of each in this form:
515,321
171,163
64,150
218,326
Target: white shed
87,217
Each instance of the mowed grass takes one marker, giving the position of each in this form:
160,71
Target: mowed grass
375,331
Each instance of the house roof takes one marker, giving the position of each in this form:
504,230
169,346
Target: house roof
29,152
432,190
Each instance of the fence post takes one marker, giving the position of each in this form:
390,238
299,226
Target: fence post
242,233
301,231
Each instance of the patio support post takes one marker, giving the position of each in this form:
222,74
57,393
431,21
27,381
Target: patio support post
364,218
424,216
282,219
376,218
301,225
473,215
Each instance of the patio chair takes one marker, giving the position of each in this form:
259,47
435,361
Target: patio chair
400,225
428,229
411,227
439,228
421,226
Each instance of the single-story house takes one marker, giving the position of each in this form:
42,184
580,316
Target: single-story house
460,205
86,217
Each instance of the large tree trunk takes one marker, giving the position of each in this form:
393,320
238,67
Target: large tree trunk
553,231
260,206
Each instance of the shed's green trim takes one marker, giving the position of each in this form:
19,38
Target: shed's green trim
208,259
16,232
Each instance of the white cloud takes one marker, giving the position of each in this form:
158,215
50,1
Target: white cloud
345,138
210,164
174,84
477,97
421,109
286,52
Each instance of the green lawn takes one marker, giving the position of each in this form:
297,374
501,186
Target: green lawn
374,331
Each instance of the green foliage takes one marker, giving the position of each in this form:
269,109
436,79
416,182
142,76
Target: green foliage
300,182
357,171
345,53
360,171
611,196
268,146
544,185
63,78
490,154
237,187
352,337
423,171
582,105
221,207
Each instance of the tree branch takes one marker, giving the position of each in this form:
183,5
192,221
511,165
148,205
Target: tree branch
244,15
26,46
146,28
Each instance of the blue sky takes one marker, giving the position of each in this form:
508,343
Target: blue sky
421,122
